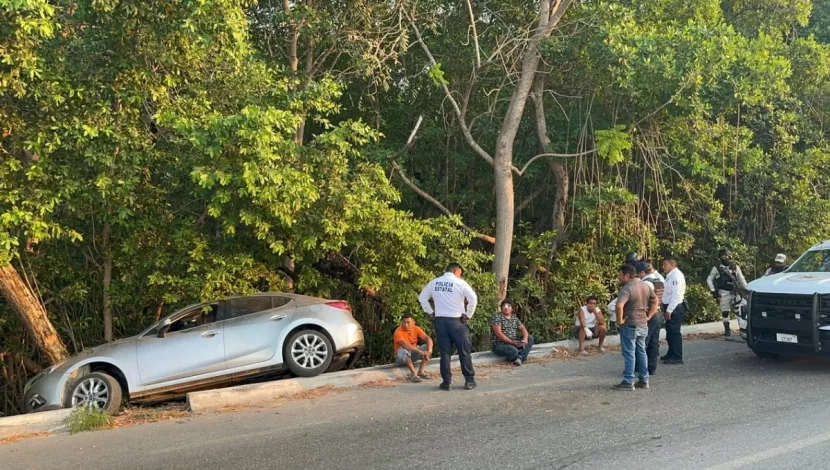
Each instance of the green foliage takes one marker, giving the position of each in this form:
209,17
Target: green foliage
437,75
703,307
611,143
87,418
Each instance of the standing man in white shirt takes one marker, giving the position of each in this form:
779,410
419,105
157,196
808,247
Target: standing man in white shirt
448,294
674,308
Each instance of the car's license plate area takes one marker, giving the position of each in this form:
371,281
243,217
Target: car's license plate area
785,338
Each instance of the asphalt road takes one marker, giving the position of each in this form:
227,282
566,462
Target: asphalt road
724,409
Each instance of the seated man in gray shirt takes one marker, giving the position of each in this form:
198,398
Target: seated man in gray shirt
636,304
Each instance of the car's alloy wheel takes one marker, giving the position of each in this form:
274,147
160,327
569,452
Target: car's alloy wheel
91,391
308,353
97,390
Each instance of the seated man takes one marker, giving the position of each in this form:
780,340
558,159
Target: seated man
508,335
407,351
589,323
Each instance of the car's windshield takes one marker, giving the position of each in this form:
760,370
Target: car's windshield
816,261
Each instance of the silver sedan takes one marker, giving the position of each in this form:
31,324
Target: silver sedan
205,346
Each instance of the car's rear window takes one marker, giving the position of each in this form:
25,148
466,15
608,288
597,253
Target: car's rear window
249,305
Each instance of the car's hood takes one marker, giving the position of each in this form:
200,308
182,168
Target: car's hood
103,350
792,283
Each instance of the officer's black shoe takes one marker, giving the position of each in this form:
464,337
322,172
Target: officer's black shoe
445,387
625,386
470,384
673,362
726,330
663,358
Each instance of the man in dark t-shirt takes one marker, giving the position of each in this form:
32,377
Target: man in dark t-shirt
508,336
636,304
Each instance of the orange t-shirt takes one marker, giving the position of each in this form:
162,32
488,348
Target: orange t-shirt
410,336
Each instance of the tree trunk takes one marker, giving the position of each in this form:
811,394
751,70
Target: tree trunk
560,201
107,283
32,314
290,270
503,161
504,225
559,170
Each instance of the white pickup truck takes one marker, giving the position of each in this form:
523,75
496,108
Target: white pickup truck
789,313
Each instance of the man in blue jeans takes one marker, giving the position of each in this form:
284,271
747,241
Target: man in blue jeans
636,304
508,336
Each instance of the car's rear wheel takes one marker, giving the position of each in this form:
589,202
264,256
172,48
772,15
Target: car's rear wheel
308,353
97,390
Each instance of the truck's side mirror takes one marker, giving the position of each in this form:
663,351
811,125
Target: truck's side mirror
163,327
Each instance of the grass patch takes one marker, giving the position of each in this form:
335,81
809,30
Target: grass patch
87,418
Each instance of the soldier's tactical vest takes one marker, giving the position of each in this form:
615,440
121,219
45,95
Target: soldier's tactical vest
725,280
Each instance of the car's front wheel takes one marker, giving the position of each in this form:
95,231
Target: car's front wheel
308,353
98,390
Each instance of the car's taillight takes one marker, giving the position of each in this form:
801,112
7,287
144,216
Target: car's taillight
340,304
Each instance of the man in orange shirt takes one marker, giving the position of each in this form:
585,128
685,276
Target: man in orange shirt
407,351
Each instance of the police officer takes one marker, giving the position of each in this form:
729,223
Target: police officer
726,281
448,293
779,265
656,282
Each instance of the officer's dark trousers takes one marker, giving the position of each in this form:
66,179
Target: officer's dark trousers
673,336
653,341
451,332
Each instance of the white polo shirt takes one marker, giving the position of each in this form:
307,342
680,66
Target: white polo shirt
448,293
674,292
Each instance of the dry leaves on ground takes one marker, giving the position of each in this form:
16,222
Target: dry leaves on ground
146,414
20,437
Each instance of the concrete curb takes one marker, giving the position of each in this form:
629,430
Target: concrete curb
46,421
210,400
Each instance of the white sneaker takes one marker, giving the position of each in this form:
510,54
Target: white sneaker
517,362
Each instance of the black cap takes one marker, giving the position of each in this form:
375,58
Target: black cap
632,257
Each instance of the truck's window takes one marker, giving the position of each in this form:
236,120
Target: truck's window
817,261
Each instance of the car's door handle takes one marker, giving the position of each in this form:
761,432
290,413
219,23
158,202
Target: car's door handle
210,334
277,317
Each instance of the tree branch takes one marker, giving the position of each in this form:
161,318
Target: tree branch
559,155
462,120
529,199
396,167
475,32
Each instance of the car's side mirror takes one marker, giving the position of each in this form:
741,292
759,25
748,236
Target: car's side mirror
163,327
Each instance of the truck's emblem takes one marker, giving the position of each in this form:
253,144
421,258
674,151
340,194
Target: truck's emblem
798,316
764,314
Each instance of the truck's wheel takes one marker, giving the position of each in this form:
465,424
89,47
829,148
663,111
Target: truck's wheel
766,355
